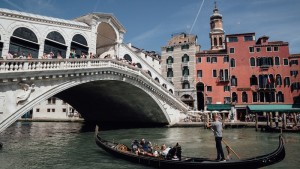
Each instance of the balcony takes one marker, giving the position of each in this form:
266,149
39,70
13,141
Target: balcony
169,66
185,78
183,64
170,79
265,87
264,67
223,79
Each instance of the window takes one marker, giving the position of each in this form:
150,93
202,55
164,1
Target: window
275,48
186,46
215,73
37,110
49,101
170,49
261,97
252,61
294,62
215,41
208,100
185,71
248,38
244,97
226,59
294,73
251,49
277,61
253,80
209,88
287,81
232,39
64,110
232,62
53,110
226,88
208,59
199,73
53,100
226,100
278,80
170,60
48,110
234,97
233,81
231,50
285,62
280,97
214,60
170,73
185,58
185,85
198,59
264,61
258,50
269,49
254,97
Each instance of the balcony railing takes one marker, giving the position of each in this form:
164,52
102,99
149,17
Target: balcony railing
184,64
169,66
223,79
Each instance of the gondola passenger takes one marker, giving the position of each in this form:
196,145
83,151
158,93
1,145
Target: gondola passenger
135,145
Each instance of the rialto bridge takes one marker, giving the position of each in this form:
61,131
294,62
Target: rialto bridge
105,89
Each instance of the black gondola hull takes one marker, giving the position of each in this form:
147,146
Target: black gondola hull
194,163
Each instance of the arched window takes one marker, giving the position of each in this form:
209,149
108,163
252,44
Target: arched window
149,73
270,61
253,80
171,91
56,44
170,60
252,61
233,81
272,96
244,97
79,46
164,85
271,81
232,62
185,85
280,97
24,42
278,80
254,96
267,97
220,41
156,79
287,81
127,57
234,97
258,62
261,81
170,73
277,61
139,65
1,47
215,42
185,58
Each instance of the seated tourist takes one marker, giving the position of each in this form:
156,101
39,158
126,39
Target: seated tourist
135,145
146,146
164,150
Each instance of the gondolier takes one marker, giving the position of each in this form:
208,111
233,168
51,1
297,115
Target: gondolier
217,129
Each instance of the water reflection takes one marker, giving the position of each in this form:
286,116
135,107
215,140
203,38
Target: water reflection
72,145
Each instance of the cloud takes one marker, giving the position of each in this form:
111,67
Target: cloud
154,32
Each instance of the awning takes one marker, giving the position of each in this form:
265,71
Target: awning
218,107
274,108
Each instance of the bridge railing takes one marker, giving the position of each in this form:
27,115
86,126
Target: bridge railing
66,64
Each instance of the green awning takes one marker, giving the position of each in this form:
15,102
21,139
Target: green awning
274,108
218,107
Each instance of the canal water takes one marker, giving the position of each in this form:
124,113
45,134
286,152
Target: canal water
43,145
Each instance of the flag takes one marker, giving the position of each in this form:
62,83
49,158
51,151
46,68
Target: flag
269,80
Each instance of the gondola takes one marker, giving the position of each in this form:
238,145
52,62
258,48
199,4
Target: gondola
280,130
124,152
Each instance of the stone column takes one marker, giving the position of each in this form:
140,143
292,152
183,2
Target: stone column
284,121
256,121
271,120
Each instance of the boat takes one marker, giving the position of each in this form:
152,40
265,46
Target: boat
281,130
124,152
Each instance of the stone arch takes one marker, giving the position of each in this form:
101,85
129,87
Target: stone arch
127,57
107,38
157,79
200,95
187,99
139,65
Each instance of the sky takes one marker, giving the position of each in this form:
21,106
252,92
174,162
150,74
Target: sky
149,24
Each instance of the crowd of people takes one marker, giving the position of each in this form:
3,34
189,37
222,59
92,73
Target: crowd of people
144,147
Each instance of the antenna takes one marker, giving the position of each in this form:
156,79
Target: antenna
197,16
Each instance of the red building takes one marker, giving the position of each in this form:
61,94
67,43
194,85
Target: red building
247,74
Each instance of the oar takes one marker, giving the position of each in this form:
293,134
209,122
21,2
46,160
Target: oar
231,149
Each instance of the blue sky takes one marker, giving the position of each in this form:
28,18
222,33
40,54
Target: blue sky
150,23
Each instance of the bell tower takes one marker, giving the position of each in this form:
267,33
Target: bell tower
216,34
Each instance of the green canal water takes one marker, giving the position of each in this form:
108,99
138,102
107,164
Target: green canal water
43,145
